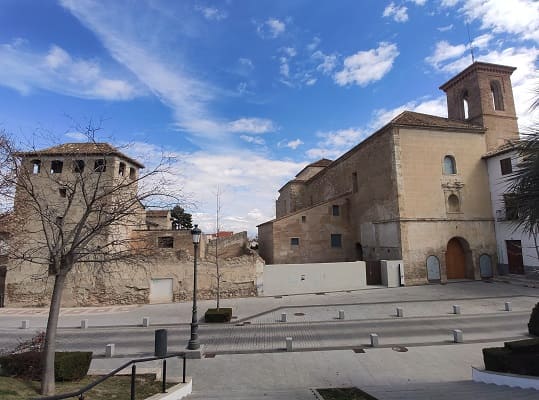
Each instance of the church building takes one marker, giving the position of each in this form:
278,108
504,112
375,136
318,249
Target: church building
416,190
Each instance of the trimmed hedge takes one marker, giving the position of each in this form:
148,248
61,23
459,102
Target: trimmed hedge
218,315
68,366
533,325
520,357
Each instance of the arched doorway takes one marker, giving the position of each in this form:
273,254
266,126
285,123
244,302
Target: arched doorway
455,259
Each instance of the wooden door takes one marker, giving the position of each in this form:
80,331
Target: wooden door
374,273
455,260
514,256
3,272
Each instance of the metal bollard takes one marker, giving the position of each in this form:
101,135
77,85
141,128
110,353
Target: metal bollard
109,350
288,344
145,322
374,339
456,309
400,312
508,306
84,324
25,324
457,336
341,314
133,376
283,317
164,386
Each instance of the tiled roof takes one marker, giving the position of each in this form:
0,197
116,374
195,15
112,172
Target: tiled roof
82,148
504,148
410,118
323,162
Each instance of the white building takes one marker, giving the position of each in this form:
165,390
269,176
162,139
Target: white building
517,250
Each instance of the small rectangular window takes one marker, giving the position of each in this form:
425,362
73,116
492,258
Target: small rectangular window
294,241
56,167
132,173
36,166
100,165
78,166
165,242
354,182
303,218
511,207
335,210
63,192
505,165
336,240
121,169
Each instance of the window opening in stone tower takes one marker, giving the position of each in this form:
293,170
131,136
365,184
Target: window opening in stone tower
465,105
450,167
496,93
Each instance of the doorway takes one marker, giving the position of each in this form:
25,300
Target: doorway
514,256
455,260
374,272
359,252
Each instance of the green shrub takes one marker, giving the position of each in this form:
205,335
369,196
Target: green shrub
218,315
533,325
523,346
67,365
25,365
496,358
72,365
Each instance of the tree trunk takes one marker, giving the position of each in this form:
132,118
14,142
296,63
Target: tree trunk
47,375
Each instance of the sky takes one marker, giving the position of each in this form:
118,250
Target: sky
240,95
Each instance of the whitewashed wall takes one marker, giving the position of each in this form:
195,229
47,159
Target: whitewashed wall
280,279
505,230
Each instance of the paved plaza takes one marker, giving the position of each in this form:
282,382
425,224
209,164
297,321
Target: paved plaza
247,358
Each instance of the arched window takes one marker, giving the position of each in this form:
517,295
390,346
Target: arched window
450,167
465,105
453,203
433,268
496,92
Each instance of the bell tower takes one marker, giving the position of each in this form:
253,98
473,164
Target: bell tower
482,95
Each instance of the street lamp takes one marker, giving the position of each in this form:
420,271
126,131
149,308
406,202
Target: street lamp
193,342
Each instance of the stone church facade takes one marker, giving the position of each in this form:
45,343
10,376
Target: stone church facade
416,190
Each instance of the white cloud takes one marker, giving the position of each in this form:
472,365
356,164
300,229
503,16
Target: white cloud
284,68
398,13
253,139
57,71
314,44
271,28
369,66
187,96
211,13
449,3
519,17
251,125
327,63
445,51
249,183
293,144
445,28
418,2
78,136
311,81
246,62
334,143
289,51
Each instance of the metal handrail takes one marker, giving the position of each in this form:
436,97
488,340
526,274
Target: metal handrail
80,393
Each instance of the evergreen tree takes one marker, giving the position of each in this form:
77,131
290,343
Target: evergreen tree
181,219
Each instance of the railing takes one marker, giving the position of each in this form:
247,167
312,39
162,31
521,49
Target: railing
80,393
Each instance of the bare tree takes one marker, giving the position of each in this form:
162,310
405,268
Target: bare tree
79,209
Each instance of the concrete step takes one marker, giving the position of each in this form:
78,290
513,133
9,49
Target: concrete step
285,394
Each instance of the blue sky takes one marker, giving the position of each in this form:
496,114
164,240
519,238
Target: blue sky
243,94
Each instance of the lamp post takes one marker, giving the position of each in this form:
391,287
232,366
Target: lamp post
193,342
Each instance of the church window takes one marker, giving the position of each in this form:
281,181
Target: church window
450,167
121,169
496,92
78,166
453,203
36,166
505,165
100,165
336,240
465,105
56,166
335,210
294,241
